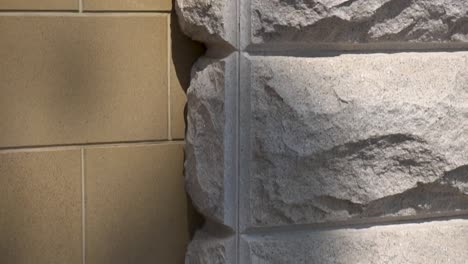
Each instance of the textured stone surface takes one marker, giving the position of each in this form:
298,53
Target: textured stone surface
209,21
357,21
332,141
208,249
436,242
205,170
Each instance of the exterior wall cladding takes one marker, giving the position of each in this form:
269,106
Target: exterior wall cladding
92,132
329,131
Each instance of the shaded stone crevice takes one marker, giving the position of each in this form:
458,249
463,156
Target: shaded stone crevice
396,163
426,198
203,170
447,194
209,134
208,151
346,3
212,22
332,203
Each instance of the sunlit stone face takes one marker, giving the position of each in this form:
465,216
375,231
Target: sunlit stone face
431,242
356,136
396,22
316,126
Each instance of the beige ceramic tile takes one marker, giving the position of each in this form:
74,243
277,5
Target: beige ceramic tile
136,205
130,5
184,54
40,207
38,5
96,78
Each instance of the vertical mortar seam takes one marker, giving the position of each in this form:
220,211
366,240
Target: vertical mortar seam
169,62
83,208
238,165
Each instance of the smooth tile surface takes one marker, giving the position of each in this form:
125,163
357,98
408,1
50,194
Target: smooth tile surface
96,78
153,5
136,205
184,54
38,5
40,207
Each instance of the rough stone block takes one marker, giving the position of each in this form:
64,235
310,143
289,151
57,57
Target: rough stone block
435,242
331,141
208,249
211,21
322,139
319,22
209,149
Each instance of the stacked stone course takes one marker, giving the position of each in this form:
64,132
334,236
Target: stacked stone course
329,131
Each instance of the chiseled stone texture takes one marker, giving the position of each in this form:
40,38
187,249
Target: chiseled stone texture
205,171
356,21
435,242
204,150
209,21
331,140
357,136
208,249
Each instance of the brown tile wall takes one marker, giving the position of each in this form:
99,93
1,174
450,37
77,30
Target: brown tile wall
91,135
134,5
39,5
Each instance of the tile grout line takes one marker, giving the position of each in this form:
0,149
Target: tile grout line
76,12
83,207
169,62
88,145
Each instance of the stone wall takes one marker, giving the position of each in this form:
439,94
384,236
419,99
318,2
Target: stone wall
329,131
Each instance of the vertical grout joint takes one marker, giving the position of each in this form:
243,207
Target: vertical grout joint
83,206
169,66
